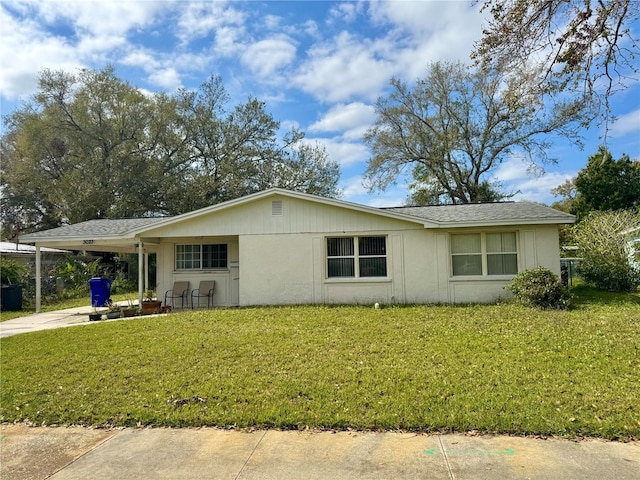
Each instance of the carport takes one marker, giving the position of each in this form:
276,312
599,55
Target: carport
115,236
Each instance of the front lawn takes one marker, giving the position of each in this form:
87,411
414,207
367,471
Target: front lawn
500,368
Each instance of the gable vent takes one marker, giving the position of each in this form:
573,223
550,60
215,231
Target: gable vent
276,208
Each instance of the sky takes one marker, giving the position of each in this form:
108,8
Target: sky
318,65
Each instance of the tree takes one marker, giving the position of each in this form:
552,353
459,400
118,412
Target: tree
454,127
607,184
568,193
77,151
604,240
580,46
93,146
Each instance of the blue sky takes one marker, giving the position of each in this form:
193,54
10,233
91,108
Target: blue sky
317,65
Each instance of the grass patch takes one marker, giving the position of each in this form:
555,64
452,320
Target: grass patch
498,368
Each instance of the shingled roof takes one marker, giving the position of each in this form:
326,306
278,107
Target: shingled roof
483,213
441,216
103,228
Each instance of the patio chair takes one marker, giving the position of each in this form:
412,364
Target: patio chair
180,290
205,289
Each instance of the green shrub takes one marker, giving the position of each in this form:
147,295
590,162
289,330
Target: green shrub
539,287
604,240
12,272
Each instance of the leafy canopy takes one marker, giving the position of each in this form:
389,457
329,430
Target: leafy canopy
581,47
91,145
455,126
603,184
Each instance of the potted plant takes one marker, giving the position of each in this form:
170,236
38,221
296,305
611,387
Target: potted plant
149,304
113,310
130,310
95,316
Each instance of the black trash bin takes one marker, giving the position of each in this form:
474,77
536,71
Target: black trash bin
100,291
11,297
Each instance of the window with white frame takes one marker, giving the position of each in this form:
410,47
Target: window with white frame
477,254
201,256
356,257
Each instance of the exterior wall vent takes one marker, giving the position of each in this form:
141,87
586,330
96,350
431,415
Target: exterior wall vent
276,208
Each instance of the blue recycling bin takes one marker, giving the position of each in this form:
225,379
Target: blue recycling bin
100,291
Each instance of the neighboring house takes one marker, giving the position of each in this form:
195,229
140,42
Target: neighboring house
283,247
26,254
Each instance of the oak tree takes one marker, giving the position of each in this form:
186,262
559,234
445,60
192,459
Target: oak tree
91,145
455,126
584,47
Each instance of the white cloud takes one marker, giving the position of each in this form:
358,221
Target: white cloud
201,19
344,152
353,118
167,78
625,124
26,50
345,12
539,189
267,56
352,188
272,22
417,43
423,19
94,33
229,41
345,68
529,182
100,19
354,191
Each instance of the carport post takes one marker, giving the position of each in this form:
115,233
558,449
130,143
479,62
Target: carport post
38,280
140,273
146,271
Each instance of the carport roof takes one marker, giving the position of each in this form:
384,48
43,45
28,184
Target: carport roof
117,228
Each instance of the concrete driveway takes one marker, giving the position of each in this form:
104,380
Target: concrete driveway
49,320
45,321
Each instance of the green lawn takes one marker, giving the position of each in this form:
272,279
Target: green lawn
500,368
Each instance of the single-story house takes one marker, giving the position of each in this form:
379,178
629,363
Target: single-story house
26,254
284,247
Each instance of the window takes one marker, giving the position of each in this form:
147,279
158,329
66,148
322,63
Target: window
357,257
193,257
484,254
502,256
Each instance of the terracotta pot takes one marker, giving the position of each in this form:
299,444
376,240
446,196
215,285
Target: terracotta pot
149,308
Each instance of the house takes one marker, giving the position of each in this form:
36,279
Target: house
283,247
26,254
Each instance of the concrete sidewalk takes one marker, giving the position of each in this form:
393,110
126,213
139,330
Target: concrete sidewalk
208,453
